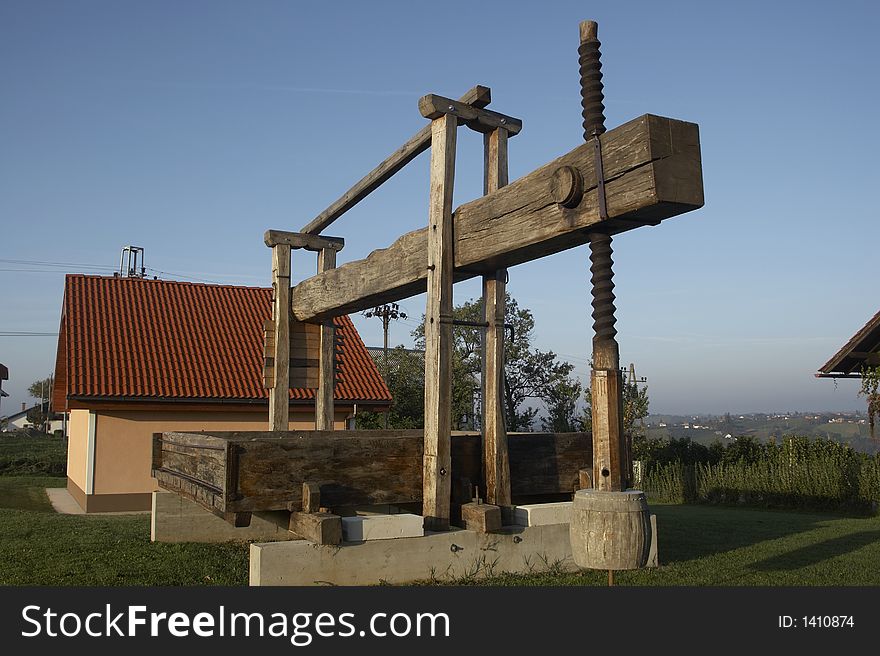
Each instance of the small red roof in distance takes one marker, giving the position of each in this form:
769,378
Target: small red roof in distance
137,339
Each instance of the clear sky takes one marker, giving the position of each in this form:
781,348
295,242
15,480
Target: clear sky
189,128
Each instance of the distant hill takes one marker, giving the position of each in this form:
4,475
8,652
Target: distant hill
848,428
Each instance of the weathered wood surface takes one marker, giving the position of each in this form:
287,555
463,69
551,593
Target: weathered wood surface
303,240
653,171
482,120
481,517
436,478
317,527
261,471
610,530
496,468
324,413
279,394
478,97
609,448
311,501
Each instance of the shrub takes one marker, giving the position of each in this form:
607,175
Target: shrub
800,473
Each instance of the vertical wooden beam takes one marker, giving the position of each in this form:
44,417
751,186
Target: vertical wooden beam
496,467
327,363
279,394
437,463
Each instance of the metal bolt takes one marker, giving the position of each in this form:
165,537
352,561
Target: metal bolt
503,121
451,108
442,469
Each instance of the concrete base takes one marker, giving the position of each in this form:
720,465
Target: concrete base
543,514
175,519
448,555
370,526
63,502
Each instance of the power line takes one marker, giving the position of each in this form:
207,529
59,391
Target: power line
25,333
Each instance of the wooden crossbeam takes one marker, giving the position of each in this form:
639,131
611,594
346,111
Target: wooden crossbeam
653,171
477,97
305,241
482,120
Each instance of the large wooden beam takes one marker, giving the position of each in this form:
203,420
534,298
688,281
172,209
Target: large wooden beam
324,412
437,478
279,395
653,172
477,97
256,471
496,468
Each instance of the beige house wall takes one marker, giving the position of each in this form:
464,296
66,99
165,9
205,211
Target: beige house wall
77,447
124,441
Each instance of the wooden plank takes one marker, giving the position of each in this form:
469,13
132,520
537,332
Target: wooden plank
436,478
481,517
319,527
279,395
311,501
355,468
477,97
653,171
496,466
482,120
324,413
303,240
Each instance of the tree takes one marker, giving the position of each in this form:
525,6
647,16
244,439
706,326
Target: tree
39,389
561,401
529,373
871,391
405,377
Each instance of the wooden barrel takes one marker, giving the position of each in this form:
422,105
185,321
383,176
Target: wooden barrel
610,530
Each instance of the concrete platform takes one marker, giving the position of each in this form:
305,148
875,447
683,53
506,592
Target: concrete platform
448,555
175,519
543,514
375,526
63,502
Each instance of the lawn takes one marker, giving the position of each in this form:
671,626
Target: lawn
699,546
41,547
710,545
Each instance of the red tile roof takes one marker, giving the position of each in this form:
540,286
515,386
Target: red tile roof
137,339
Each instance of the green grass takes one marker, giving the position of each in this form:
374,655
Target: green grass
709,546
28,492
24,455
41,547
699,546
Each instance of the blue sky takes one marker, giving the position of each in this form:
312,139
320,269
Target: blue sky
189,128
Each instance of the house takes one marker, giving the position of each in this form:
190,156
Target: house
863,349
19,420
137,357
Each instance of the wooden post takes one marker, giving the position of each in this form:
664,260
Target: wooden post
437,460
279,394
611,471
496,467
324,414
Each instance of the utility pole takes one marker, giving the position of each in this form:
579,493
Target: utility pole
387,312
